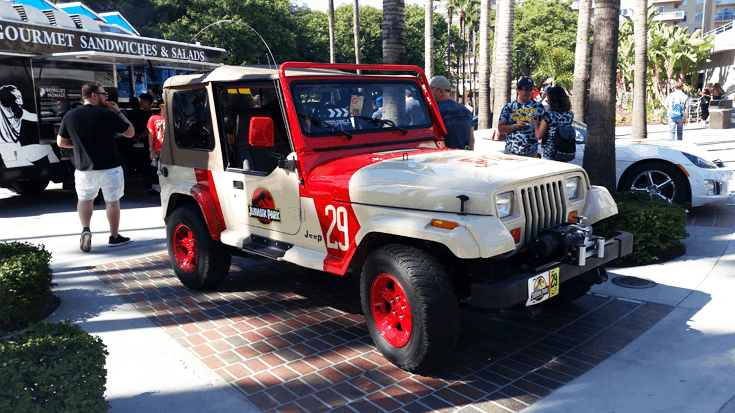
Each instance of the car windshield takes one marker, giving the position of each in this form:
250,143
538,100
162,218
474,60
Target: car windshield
352,107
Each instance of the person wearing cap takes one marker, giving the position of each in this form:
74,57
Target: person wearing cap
457,118
519,118
545,97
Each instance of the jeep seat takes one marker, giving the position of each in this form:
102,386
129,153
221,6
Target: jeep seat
241,145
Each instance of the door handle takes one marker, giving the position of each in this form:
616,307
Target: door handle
237,185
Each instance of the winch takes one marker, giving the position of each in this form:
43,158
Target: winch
571,242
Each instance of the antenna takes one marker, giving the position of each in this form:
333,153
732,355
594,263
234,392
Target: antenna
238,22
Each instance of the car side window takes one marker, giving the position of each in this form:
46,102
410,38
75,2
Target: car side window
192,120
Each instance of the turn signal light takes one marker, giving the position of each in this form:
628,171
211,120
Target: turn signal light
570,217
516,233
443,224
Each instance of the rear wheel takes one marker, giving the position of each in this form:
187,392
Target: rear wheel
199,261
33,186
409,305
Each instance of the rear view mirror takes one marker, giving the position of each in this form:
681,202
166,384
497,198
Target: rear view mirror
261,132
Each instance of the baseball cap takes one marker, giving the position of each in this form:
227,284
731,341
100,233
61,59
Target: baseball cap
546,88
440,82
524,82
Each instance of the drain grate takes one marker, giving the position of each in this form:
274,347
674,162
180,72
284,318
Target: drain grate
633,282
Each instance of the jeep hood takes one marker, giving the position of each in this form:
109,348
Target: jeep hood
432,180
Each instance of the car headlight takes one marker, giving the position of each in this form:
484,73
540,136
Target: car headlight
572,187
700,162
504,204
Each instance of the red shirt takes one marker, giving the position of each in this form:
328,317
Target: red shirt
157,128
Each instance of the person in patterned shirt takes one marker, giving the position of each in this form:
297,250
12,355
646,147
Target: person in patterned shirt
517,120
559,114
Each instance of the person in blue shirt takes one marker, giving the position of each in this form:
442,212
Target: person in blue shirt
457,118
517,120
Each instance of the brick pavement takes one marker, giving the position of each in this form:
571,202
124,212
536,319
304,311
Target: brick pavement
292,339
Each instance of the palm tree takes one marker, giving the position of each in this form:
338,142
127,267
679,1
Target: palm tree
502,56
640,32
582,61
599,159
451,4
429,39
356,27
330,16
483,83
394,52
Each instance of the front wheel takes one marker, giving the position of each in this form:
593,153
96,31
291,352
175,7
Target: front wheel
657,179
199,262
410,306
33,186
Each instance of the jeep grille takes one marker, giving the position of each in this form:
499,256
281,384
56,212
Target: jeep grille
543,206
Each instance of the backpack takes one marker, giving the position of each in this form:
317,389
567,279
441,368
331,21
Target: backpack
676,111
565,143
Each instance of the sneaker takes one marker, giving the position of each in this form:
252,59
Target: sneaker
119,240
85,242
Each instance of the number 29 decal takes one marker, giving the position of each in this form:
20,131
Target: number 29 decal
339,219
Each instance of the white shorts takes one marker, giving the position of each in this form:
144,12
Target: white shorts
111,181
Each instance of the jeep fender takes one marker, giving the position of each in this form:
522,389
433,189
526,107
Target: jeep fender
600,205
474,237
208,203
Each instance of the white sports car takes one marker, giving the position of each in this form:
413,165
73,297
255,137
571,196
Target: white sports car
674,170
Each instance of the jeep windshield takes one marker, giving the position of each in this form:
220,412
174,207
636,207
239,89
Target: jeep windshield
352,107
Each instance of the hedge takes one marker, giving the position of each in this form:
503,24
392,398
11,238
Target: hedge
25,283
52,367
657,227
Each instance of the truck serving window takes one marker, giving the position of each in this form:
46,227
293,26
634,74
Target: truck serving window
359,106
192,120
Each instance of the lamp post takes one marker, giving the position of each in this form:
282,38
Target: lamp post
517,55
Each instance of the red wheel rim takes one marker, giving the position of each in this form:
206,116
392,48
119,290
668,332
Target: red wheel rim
186,251
391,311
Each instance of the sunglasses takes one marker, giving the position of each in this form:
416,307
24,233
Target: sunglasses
527,89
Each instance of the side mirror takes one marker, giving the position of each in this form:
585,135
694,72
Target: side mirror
261,132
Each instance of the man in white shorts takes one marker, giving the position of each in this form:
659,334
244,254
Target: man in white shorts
90,129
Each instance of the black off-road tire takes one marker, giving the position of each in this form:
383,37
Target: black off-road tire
658,170
213,259
30,187
432,302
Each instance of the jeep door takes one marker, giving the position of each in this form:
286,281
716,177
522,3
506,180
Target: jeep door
262,197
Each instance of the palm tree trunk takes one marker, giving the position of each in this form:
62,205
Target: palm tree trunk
599,155
640,33
429,39
330,17
502,60
464,54
356,28
394,52
483,82
449,42
582,61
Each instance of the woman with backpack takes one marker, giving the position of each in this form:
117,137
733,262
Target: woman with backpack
560,142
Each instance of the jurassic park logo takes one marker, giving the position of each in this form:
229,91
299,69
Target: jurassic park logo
263,207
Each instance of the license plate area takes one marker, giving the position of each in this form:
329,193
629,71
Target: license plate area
543,286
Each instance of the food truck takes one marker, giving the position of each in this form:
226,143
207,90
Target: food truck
47,52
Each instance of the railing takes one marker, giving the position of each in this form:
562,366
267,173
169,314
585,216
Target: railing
719,2
721,29
724,17
669,15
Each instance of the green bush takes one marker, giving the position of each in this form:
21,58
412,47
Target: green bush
657,227
25,283
52,367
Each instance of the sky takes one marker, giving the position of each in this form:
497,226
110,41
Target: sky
321,5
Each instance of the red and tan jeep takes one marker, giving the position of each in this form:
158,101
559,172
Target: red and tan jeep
303,164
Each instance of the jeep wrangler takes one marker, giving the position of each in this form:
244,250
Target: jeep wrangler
321,165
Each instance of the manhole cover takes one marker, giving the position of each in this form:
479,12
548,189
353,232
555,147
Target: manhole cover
633,282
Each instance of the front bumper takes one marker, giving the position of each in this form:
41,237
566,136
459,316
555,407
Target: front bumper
514,290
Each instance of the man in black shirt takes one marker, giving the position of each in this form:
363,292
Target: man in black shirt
90,129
